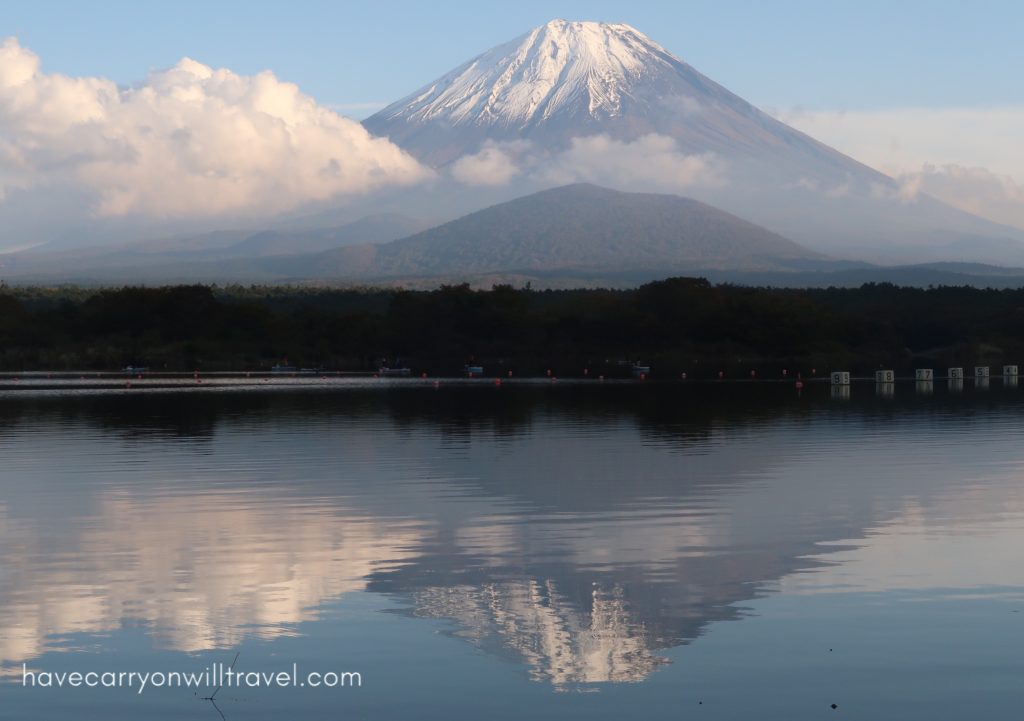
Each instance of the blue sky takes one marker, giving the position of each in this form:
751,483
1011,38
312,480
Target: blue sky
780,55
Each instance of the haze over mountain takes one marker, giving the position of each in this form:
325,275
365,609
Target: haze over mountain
578,235
368,230
546,105
222,255
585,235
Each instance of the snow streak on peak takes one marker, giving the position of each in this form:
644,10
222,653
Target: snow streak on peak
562,67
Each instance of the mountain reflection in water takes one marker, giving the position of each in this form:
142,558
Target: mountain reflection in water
579,531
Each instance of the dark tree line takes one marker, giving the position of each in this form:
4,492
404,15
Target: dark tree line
675,325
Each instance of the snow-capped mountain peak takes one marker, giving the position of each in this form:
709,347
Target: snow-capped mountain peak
562,66
570,79
588,99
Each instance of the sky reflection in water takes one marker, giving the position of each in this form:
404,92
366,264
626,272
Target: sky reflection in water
473,551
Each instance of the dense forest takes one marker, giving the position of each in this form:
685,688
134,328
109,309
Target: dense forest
676,325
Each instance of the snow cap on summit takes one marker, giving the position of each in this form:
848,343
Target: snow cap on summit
557,67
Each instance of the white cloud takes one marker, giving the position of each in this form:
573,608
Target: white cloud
976,190
189,141
652,163
495,164
971,158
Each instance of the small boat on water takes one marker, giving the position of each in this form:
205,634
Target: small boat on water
393,372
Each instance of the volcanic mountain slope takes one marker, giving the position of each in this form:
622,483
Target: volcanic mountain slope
588,228
570,80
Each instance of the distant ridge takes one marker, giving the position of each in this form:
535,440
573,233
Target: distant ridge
579,235
218,254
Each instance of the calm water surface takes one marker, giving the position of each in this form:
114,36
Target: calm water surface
544,552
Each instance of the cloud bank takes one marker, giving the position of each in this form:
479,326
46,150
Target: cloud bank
191,141
976,190
495,164
971,158
652,163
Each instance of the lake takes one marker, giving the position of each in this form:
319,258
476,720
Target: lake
534,550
